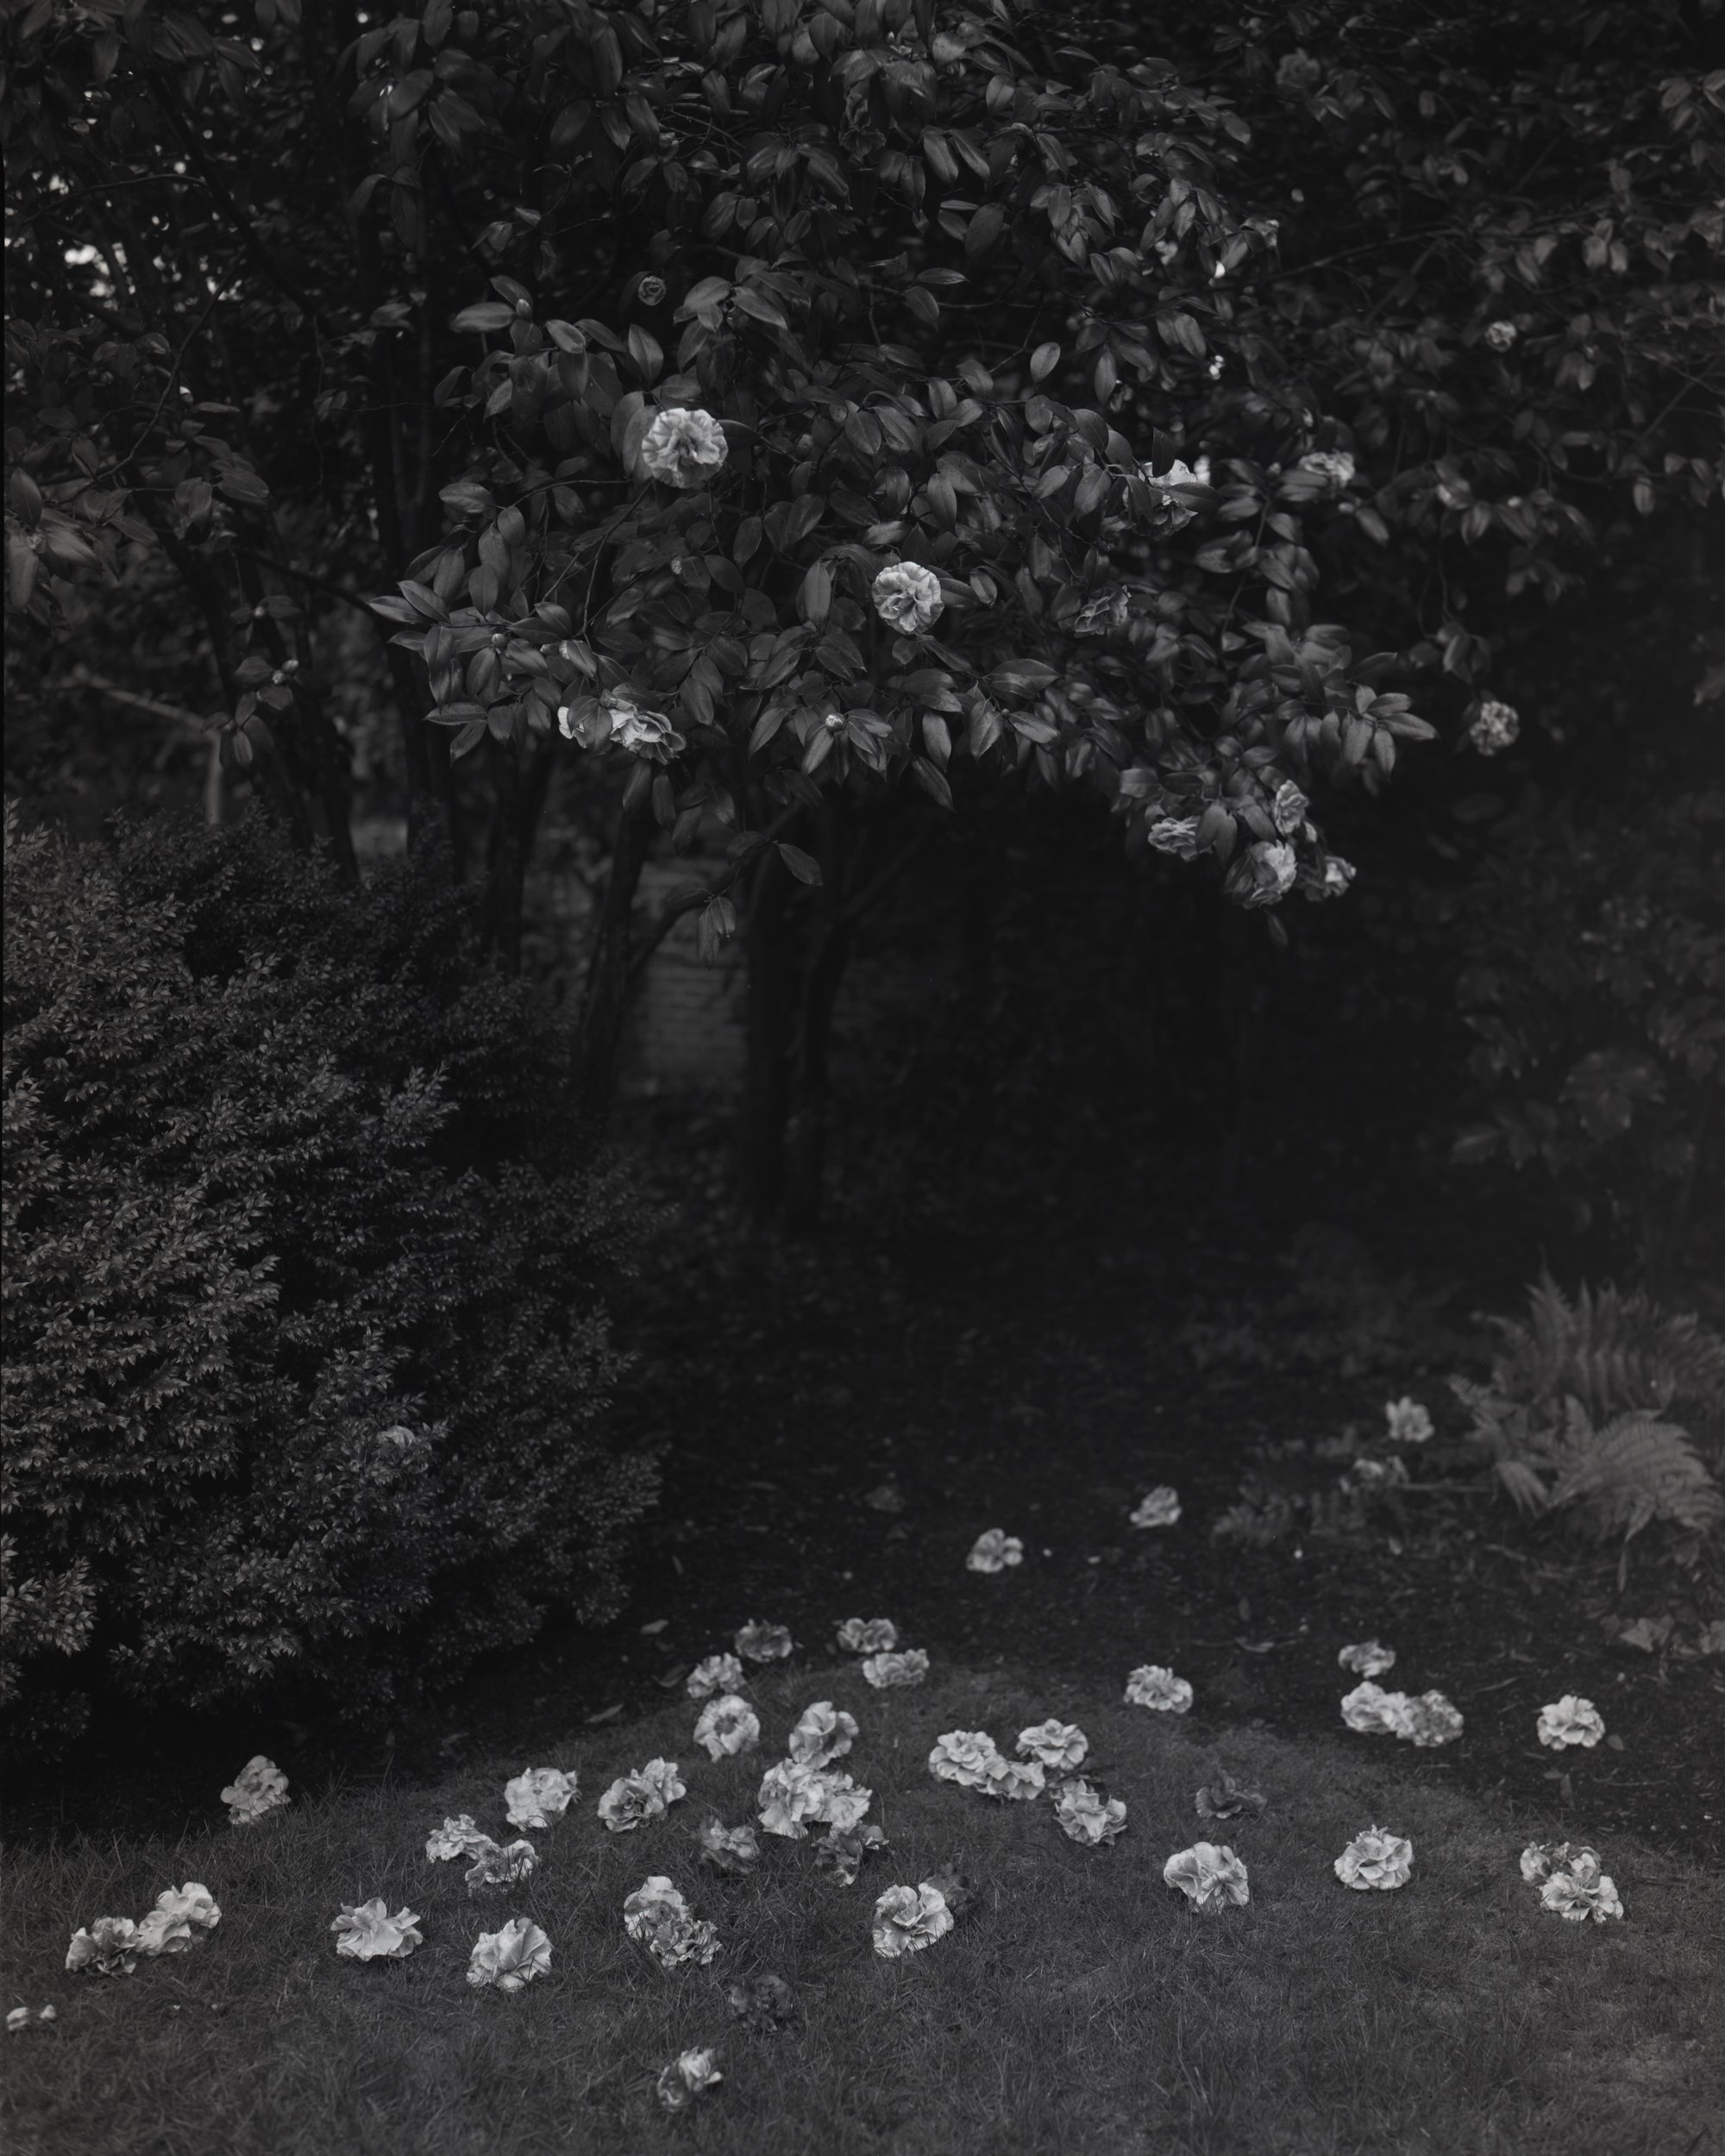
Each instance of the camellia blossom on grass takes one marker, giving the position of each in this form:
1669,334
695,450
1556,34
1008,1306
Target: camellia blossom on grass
909,598
689,2075
501,1864
1015,1781
1375,1713
843,1853
907,1919
1150,1685
1570,1720
1160,1509
182,1915
1225,1798
1210,1877
789,1796
1054,1745
369,1933
867,1635
1087,1817
109,1947
538,1797
727,1726
456,1837
764,2004
684,447
718,1673
1572,1880
647,1794
259,1786
967,1757
729,1848
1367,1658
508,1960
843,1799
1408,1423
656,1915
822,1733
764,1643
888,1671
1376,1859
1432,1721
1540,1858
994,1550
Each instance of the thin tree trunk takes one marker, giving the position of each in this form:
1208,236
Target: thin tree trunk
605,1002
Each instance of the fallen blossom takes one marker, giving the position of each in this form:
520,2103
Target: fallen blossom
1225,1798
887,1670
1431,1720
369,1933
1494,727
1367,1658
956,1888
683,448
907,1919
1570,1720
908,597
456,1837
867,1635
1015,1781
789,1795
1408,1423
1209,1877
764,1643
994,1550
727,1726
661,1777
508,1960
1375,1713
181,1917
1160,1509
1576,1896
1376,1859
843,1853
1054,1745
822,1733
689,2075
967,1757
657,1917
718,1673
163,1932
501,1864
1150,1685
843,1799
109,1946
633,1799
763,2003
1085,1816
538,1797
259,1786
729,1848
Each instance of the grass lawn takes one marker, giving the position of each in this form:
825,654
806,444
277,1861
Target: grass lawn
1079,2004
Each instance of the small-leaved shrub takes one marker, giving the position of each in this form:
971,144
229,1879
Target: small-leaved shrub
306,1368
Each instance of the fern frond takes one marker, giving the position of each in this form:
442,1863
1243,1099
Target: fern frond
1636,1470
1523,1485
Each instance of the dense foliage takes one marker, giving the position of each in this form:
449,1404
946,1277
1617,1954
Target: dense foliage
289,1398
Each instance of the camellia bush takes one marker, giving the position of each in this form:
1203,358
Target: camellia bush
290,1401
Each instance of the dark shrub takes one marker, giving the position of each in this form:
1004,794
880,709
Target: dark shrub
307,1373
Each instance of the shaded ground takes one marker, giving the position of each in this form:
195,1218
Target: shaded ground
1040,1378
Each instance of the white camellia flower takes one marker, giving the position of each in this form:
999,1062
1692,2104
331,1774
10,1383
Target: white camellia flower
1015,1781
456,1837
369,1933
907,1919
538,1797
887,1672
1272,864
718,1673
1054,1745
508,1960
1365,1659
1376,1859
109,1946
1288,808
1160,1509
643,733
994,1550
908,597
1176,834
501,1864
867,1635
764,1643
1495,727
1499,335
1577,1894
661,1777
1408,1422
843,1801
727,1726
1375,1713
657,1917
684,449
633,1799
1431,1720
729,1848
1150,1685
184,1913
1337,875
1210,1877
967,1757
789,1796
163,1933
689,2075
1086,1817
823,1734
1570,1720
259,1786
1334,467
1539,1859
